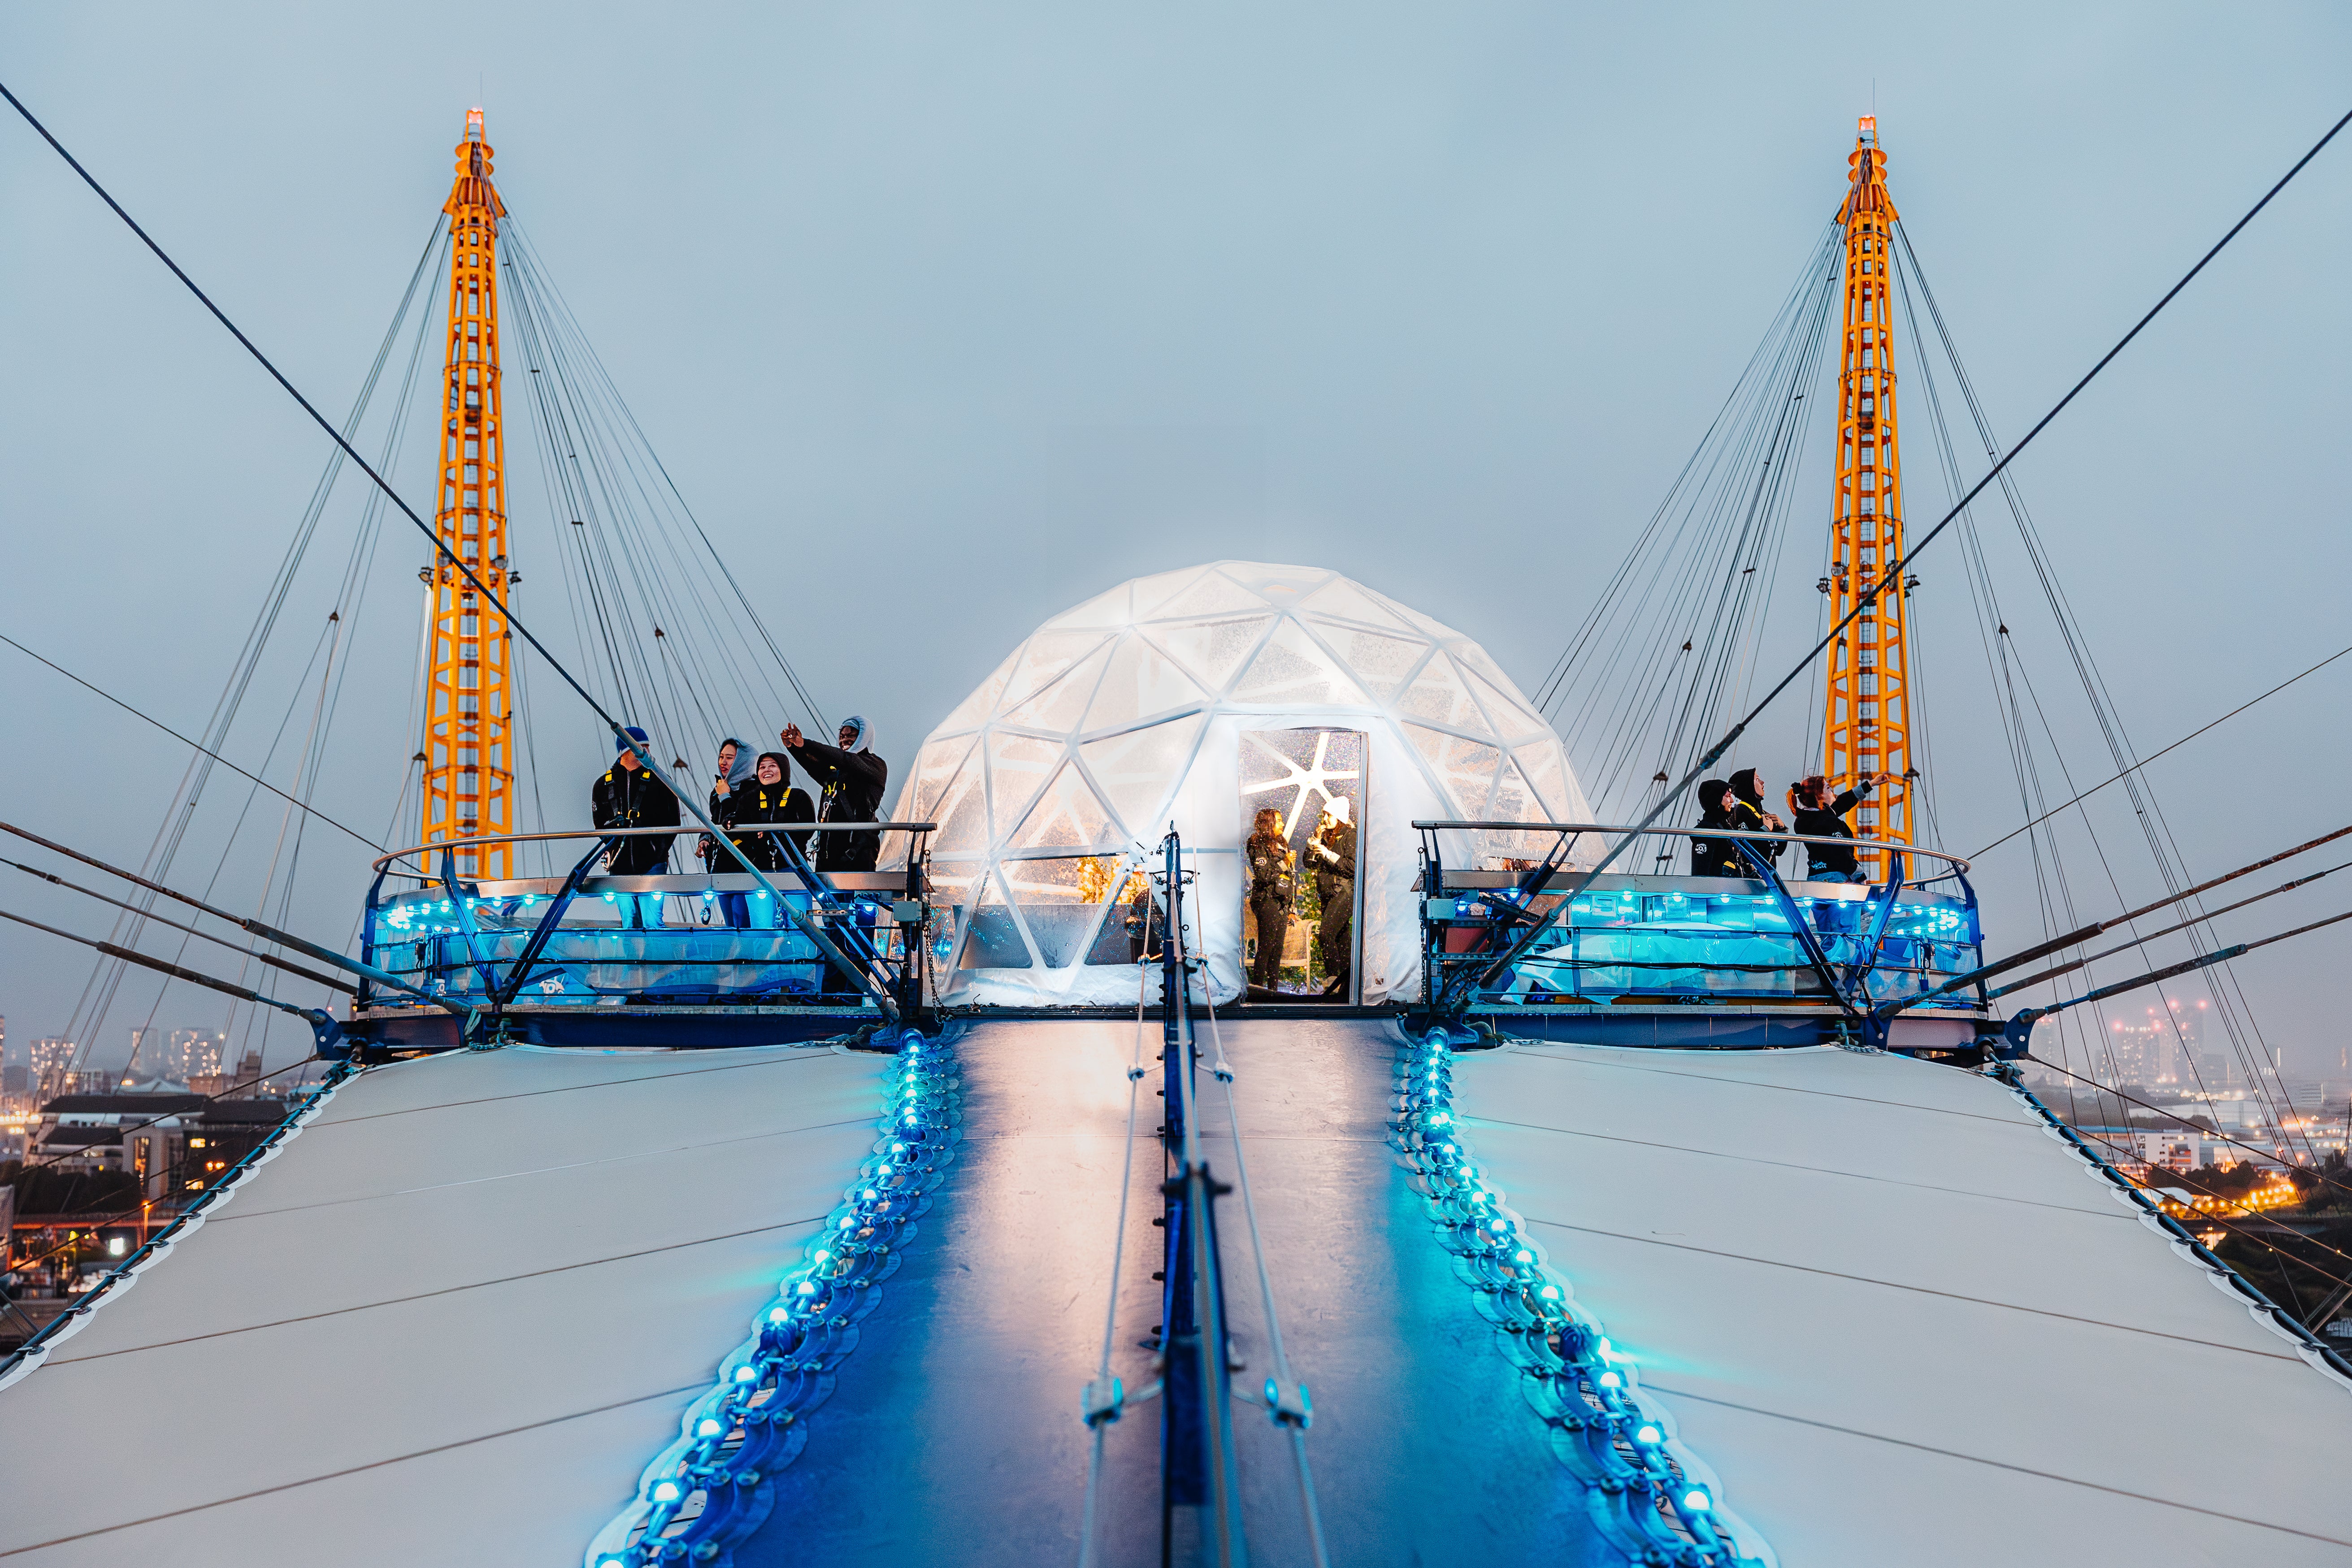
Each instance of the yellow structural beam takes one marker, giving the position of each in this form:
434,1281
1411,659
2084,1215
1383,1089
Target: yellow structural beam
1866,714
468,786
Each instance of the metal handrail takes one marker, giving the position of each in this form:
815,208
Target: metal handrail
1955,862
383,863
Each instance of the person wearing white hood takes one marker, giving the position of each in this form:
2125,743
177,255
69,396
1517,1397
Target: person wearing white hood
1332,852
853,779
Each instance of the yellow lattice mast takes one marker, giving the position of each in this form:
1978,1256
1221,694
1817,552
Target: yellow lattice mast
469,715
1867,717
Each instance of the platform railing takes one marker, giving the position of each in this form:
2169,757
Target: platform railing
793,936
1629,938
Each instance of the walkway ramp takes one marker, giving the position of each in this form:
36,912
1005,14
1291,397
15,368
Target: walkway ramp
955,1435
1903,1322
449,1324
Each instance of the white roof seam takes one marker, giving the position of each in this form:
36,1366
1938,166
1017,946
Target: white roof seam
2018,1123
570,1089
1916,1290
1996,1463
447,1290
2088,1211
351,1471
557,1170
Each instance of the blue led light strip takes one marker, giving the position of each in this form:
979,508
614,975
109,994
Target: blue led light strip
712,1487
1649,1494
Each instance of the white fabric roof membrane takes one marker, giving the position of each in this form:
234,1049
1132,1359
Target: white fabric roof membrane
1115,718
450,1323
1902,1320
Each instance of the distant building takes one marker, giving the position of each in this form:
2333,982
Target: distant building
177,1145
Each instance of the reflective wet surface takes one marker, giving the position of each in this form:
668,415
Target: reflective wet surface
954,1433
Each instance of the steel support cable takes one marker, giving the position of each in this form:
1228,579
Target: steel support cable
1288,1412
2166,869
2217,1134
113,977
1731,529
1867,594
808,928
629,498
99,991
2144,762
1740,444
295,968
266,932
2084,933
113,950
193,745
527,253
2171,865
2032,980
1102,1400
1554,684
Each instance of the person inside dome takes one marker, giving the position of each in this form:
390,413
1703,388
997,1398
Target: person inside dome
1333,849
1269,861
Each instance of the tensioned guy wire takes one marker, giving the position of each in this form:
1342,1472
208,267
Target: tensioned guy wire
1866,598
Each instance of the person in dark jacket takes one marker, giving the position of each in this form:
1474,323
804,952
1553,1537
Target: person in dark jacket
1743,809
852,778
1714,856
1818,815
1270,863
735,768
631,794
768,796
1332,853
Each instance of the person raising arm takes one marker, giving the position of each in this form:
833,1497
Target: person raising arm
852,779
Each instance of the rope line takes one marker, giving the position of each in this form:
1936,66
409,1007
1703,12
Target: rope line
1867,594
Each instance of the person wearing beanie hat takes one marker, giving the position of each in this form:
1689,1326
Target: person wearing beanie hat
631,794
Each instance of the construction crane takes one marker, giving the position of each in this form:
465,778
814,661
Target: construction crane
468,750
1865,709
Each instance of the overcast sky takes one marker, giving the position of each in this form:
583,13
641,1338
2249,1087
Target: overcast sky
947,318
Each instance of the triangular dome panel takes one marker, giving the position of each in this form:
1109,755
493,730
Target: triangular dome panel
1214,594
1136,771
1292,669
1061,703
1209,651
1140,680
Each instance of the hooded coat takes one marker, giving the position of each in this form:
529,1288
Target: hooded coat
756,802
1745,811
636,797
852,782
1714,856
744,770
1829,822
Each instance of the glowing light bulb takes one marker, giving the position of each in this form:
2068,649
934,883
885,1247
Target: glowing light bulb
1696,1500
747,1374
665,1492
1610,1380
1649,1435
709,1428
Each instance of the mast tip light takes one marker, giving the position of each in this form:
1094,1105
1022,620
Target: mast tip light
472,125
1867,127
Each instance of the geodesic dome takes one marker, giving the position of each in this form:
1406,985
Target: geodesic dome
1053,781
